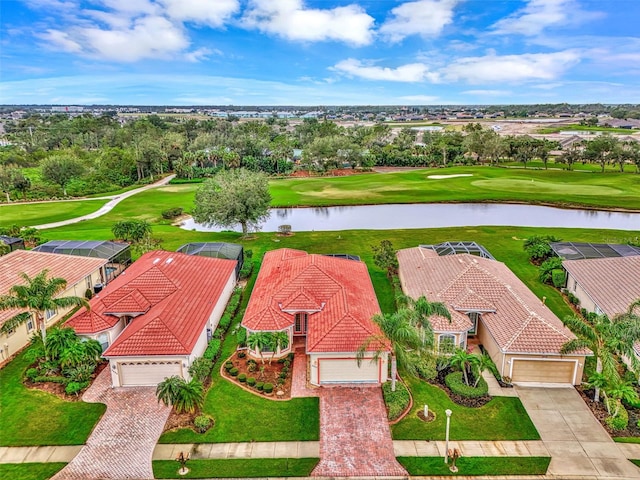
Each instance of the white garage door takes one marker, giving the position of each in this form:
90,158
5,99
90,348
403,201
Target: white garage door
543,371
147,373
347,371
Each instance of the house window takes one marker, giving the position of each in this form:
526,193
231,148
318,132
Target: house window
10,332
30,325
300,328
474,317
89,284
103,338
446,344
49,314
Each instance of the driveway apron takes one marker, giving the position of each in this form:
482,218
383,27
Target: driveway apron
355,439
121,445
577,443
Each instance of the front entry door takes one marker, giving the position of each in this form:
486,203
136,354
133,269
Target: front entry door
300,327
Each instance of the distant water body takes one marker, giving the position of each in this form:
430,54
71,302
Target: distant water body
435,215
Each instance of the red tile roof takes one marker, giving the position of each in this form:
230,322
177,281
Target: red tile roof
73,269
337,293
612,283
514,316
173,295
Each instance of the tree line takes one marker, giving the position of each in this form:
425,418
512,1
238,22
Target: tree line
57,155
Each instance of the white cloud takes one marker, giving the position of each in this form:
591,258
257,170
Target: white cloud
206,12
412,72
291,20
540,14
511,68
423,17
146,37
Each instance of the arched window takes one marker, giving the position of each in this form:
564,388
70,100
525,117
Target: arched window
446,343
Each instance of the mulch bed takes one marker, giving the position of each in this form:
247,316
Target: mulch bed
269,374
57,389
600,412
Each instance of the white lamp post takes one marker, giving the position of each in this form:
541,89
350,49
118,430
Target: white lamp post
446,443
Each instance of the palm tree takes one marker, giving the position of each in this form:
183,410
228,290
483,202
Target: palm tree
607,340
279,340
399,331
483,363
464,361
182,395
258,341
423,310
630,322
619,390
34,298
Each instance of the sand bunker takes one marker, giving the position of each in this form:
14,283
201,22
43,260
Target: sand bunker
439,177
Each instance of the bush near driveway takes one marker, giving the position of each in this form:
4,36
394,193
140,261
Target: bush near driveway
503,418
32,417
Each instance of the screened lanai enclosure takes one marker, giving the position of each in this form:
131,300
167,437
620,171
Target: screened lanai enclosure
118,254
231,251
453,248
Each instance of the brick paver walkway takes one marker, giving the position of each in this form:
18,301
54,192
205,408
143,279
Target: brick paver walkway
121,445
355,439
299,379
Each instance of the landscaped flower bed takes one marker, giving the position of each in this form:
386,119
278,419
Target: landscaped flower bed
271,378
599,411
467,401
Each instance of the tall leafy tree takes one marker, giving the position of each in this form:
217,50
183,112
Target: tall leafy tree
61,169
34,298
232,197
131,230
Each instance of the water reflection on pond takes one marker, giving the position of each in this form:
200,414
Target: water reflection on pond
434,215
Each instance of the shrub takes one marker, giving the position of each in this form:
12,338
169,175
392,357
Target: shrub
538,248
245,271
81,373
573,299
248,253
242,377
241,337
242,354
427,369
202,423
251,381
620,421
260,386
75,387
228,366
200,369
557,277
233,372
52,379
224,322
88,294
213,349
456,384
547,268
284,229
396,402
268,387
31,374
170,213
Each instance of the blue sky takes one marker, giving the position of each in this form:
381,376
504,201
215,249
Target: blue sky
326,52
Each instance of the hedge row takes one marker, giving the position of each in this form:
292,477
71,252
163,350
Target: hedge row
396,402
455,382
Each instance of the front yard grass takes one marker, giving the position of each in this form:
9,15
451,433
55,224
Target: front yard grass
471,466
30,471
237,468
626,439
32,417
503,418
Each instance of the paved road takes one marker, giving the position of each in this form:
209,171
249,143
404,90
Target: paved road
107,207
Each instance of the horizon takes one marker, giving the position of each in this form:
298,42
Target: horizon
319,52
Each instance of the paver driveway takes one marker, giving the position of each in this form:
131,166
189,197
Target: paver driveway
578,444
121,445
355,439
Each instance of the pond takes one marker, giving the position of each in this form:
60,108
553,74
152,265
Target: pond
435,215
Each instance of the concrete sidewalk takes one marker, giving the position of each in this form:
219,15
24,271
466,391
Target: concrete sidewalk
43,454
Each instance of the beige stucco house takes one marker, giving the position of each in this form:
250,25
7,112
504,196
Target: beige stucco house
80,273
489,303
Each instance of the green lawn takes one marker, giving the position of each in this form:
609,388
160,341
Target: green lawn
486,184
47,212
241,416
626,439
237,468
635,462
503,418
29,471
470,466
585,128
31,417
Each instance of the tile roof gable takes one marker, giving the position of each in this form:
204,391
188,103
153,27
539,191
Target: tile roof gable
144,334
301,300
